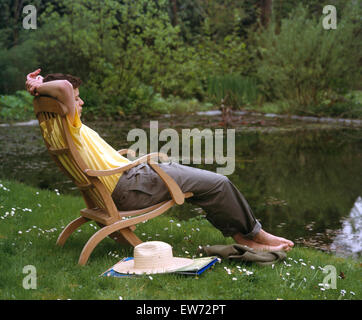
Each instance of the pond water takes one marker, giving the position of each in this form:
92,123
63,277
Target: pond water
303,181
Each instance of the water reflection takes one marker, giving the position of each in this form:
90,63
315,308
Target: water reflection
349,238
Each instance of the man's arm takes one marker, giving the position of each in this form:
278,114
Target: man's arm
61,90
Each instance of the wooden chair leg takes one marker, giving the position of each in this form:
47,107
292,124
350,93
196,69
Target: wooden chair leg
130,237
69,229
124,228
126,233
117,236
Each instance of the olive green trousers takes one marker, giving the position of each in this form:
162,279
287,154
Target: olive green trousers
225,206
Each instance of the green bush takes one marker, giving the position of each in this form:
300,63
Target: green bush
15,64
304,64
141,99
16,107
125,53
92,98
176,105
130,56
341,108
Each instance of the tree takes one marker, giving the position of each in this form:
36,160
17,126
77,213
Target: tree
266,12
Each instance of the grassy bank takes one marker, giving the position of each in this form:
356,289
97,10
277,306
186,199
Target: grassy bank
348,106
31,220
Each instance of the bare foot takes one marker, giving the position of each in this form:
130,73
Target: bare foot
259,246
264,237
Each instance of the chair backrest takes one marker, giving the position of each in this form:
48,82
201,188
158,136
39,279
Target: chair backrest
51,115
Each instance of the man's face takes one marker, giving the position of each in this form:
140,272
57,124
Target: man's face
78,101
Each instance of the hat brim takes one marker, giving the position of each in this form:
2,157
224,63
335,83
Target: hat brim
127,267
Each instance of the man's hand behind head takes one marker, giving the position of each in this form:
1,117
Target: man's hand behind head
33,81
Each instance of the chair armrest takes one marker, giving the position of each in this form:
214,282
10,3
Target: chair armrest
108,172
127,151
173,187
176,193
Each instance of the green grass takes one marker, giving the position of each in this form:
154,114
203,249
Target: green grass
31,219
236,90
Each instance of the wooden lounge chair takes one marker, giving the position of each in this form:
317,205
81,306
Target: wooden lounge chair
119,225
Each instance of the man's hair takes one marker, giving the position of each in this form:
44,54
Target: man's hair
75,81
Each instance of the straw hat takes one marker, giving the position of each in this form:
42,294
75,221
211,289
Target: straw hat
152,257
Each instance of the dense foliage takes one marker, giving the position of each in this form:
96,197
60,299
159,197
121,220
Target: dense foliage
160,56
306,65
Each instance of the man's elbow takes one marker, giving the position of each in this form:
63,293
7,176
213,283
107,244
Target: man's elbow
65,89
65,94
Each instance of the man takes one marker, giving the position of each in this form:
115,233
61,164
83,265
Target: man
139,187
